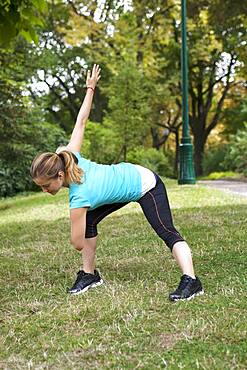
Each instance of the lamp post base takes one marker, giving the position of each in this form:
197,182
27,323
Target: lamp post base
186,165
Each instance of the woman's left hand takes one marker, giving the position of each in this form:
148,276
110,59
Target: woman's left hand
93,78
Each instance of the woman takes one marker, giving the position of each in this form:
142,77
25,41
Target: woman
96,190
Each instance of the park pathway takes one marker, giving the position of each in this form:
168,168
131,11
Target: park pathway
230,186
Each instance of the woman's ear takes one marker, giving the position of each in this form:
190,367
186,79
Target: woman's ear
61,174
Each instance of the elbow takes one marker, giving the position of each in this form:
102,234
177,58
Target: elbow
77,244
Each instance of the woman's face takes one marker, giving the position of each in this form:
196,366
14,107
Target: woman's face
51,186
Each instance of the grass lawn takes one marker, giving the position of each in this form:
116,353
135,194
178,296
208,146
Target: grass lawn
128,323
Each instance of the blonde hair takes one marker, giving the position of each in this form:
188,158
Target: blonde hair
47,165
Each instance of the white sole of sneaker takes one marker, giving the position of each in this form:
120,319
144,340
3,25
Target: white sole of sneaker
94,285
191,297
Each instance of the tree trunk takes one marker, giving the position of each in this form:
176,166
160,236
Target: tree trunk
159,141
201,101
155,137
199,146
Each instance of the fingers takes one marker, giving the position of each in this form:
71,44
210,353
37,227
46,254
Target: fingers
96,70
94,75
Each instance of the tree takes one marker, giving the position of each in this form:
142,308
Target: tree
60,61
214,64
23,129
20,17
128,108
145,35
215,54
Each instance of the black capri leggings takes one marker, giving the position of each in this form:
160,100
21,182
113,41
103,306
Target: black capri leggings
155,206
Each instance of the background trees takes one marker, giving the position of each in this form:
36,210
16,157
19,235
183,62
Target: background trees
19,17
138,101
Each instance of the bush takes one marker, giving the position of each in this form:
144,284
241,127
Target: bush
222,175
213,160
151,158
17,155
23,134
14,174
236,157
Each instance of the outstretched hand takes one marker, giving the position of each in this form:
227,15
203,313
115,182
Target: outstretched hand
93,78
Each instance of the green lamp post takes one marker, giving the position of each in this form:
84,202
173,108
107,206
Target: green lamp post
186,163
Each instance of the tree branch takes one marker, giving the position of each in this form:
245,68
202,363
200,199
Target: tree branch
199,92
62,101
210,91
193,99
68,93
75,10
212,84
215,118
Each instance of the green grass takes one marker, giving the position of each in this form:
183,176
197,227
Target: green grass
128,323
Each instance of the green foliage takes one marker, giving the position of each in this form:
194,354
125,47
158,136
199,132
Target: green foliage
213,160
129,107
23,130
221,175
236,156
20,17
151,158
17,154
235,116
14,169
99,144
138,49
22,135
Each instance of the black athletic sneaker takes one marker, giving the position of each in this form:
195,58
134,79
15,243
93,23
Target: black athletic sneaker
187,289
85,281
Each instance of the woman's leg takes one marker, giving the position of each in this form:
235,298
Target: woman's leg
88,277
93,218
182,254
156,208
88,255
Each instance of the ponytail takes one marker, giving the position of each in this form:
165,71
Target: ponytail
73,173
48,165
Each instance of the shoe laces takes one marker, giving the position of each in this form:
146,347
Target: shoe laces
80,274
184,282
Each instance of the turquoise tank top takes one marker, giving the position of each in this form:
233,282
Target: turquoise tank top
104,184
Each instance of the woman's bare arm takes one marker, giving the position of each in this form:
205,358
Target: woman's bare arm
77,136
78,227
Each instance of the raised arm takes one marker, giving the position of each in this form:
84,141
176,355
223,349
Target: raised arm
76,140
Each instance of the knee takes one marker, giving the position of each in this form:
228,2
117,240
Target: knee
78,245
181,247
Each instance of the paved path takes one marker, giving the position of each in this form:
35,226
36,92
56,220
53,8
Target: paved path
233,186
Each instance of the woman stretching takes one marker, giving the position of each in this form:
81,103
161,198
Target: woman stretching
96,190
